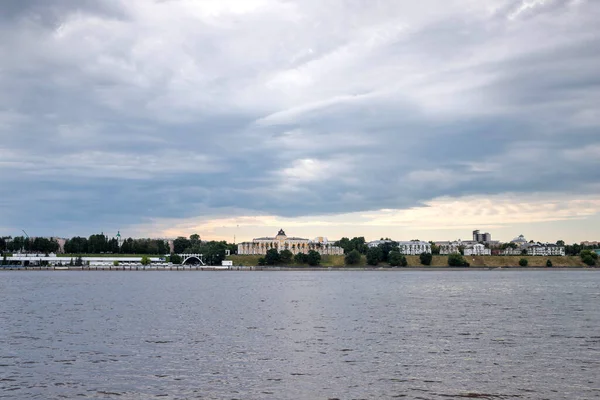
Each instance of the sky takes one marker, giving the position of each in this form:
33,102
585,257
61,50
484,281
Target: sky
235,118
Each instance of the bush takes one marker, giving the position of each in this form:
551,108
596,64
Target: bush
175,258
523,262
301,258
457,260
352,258
313,258
145,260
374,255
588,259
426,258
262,261
272,257
397,260
115,263
286,256
548,263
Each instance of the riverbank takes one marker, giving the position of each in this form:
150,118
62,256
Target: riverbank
437,261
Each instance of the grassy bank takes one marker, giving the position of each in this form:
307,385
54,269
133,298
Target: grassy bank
440,261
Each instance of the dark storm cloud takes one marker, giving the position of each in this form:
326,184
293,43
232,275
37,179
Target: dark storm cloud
51,13
114,113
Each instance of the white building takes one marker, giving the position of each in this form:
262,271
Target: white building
477,250
260,246
547,249
512,252
414,247
376,243
519,240
449,247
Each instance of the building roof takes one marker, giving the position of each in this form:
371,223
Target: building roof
281,233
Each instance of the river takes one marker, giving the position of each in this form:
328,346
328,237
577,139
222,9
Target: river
300,335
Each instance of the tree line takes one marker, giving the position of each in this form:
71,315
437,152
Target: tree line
21,243
102,244
285,257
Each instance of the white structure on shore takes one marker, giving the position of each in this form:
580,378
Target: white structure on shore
409,248
414,247
449,247
477,250
376,243
547,249
296,245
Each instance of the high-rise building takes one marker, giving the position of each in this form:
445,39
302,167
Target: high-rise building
481,237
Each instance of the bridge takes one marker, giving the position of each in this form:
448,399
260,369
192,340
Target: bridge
191,257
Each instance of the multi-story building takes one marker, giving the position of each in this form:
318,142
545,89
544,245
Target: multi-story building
414,247
512,252
376,243
547,249
294,244
519,240
448,247
477,250
481,237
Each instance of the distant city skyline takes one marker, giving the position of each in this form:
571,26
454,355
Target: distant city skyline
239,117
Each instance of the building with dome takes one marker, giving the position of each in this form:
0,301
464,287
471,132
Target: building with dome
260,246
519,240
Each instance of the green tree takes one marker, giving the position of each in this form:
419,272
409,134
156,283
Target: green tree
457,260
286,257
272,257
175,259
180,244
352,258
301,258
115,263
213,251
590,253
523,262
548,263
425,258
313,258
589,257
435,249
396,259
588,260
560,243
360,244
386,249
374,256
345,244
145,260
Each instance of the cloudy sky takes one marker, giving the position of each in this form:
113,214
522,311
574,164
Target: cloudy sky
379,118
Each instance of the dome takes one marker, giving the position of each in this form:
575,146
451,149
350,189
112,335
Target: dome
519,239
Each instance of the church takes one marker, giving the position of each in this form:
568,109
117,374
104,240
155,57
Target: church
294,244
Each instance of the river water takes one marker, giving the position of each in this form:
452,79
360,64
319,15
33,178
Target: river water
300,335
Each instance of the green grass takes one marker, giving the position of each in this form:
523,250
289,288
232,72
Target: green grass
438,261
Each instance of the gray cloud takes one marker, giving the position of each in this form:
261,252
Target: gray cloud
114,114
